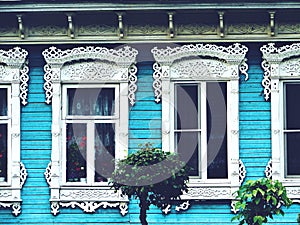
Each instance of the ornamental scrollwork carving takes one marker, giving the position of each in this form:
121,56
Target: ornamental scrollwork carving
247,28
183,206
96,29
15,206
242,172
91,207
157,85
268,170
88,64
147,29
208,193
24,78
23,174
50,30
48,173
196,29
90,194
266,82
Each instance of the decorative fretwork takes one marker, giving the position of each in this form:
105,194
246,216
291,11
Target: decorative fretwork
247,28
15,206
147,29
242,172
157,74
107,65
95,29
48,30
268,170
196,29
24,78
232,206
183,206
91,207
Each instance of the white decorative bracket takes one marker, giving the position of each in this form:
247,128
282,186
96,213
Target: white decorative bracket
71,29
171,24
272,23
221,24
118,65
120,24
268,170
190,61
242,172
21,27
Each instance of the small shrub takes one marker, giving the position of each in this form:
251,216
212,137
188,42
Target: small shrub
259,200
151,175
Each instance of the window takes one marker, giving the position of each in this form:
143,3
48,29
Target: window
89,88
4,122
91,123
198,87
197,107
281,85
13,92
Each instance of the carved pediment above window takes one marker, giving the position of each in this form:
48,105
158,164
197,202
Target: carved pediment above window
198,68
91,71
88,64
199,62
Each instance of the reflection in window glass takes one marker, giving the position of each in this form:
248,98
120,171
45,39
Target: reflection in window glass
104,151
91,101
3,102
216,129
3,152
76,152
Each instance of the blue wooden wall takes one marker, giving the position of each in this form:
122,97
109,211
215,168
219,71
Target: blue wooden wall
144,126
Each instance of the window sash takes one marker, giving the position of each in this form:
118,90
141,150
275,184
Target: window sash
90,151
90,121
65,107
291,170
201,130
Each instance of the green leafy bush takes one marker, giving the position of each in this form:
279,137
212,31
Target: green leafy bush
151,175
259,200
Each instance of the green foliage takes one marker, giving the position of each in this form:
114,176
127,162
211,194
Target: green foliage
153,176
259,200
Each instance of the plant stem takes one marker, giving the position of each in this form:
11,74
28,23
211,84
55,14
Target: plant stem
143,208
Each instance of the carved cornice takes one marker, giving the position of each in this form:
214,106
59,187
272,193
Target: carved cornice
232,53
198,62
107,65
124,56
15,59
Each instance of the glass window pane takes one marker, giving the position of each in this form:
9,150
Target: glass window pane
292,141
292,106
91,101
186,106
3,152
3,101
187,146
104,151
216,130
76,142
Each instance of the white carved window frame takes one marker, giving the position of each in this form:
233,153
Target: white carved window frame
87,66
203,62
14,76
280,64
